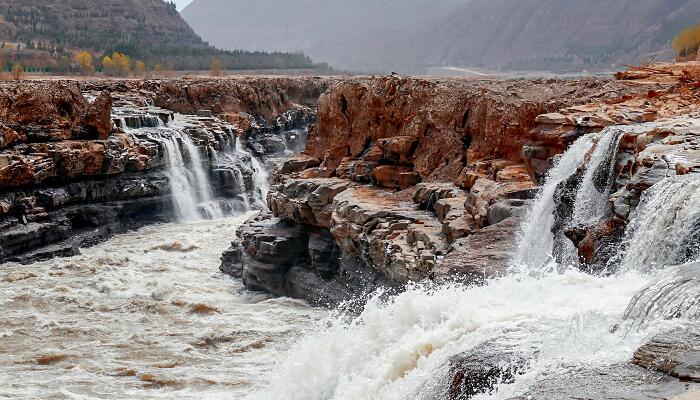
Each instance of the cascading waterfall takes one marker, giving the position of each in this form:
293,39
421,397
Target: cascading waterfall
535,248
184,196
201,178
593,197
561,319
672,296
669,217
261,179
192,193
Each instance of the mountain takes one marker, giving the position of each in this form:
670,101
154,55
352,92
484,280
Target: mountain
414,35
560,35
338,32
151,30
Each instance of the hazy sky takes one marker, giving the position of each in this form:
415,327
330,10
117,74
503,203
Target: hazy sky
182,3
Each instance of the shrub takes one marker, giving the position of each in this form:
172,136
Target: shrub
84,59
17,72
687,41
117,65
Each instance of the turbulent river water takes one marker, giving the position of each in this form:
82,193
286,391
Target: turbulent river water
146,315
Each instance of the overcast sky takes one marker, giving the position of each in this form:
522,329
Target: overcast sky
182,3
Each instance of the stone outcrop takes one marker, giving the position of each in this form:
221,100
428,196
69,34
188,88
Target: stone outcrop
411,179
659,137
676,353
73,170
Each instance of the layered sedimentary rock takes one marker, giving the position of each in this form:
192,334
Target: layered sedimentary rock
78,162
411,179
657,135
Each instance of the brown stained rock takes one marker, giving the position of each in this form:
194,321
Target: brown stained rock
98,117
398,149
388,233
9,136
298,164
392,176
45,103
438,125
265,97
676,353
307,201
483,254
427,194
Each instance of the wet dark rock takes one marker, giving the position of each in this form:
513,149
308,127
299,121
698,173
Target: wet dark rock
507,209
483,254
482,369
300,261
676,353
614,382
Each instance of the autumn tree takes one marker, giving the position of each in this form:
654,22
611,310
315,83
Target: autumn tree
217,67
687,42
140,68
84,59
17,72
116,65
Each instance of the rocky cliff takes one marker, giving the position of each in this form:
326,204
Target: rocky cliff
80,161
403,179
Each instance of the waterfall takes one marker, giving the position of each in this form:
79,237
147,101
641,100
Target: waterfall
668,218
535,247
261,179
671,296
201,178
559,319
593,197
183,194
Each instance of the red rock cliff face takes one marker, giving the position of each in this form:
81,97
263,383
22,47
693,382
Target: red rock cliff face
443,125
403,179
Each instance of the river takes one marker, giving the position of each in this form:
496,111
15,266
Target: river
145,315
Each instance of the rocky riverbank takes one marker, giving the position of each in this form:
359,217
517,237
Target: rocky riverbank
405,179
81,161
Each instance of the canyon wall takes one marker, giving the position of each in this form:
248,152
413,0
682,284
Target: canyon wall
404,179
78,162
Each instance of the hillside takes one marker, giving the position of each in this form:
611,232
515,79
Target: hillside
560,35
337,32
413,35
151,30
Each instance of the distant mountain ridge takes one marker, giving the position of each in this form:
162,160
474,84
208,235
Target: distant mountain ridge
334,31
151,30
413,35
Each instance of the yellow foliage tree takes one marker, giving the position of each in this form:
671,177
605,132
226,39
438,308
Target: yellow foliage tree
140,68
17,72
217,67
687,41
117,65
84,59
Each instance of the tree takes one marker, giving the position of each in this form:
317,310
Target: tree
217,66
140,68
84,59
687,42
17,72
117,65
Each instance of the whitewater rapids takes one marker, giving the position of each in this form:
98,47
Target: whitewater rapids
145,315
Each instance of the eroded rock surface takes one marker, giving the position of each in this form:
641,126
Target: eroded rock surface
80,161
418,179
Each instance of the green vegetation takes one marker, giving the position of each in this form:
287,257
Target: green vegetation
83,36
